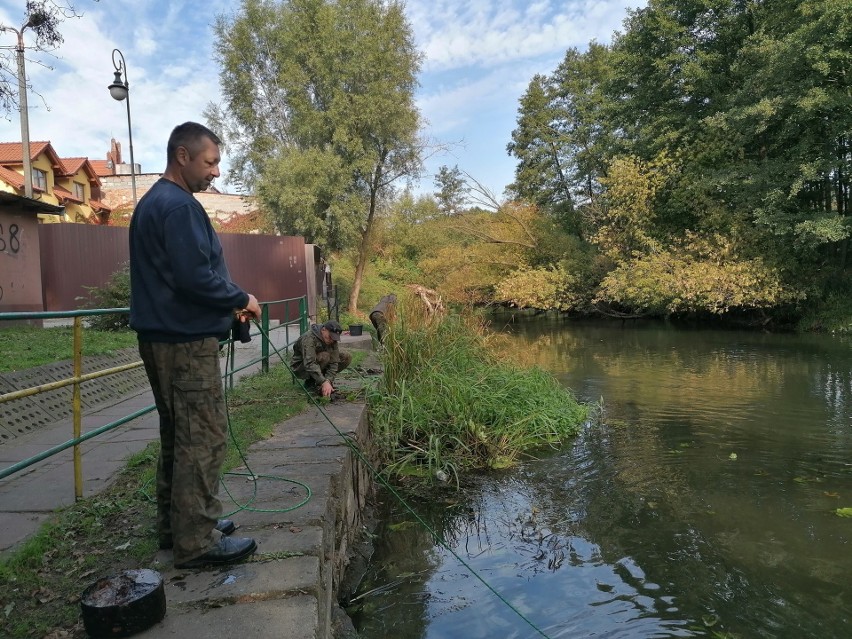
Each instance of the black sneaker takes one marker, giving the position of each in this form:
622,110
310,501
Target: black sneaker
228,550
224,526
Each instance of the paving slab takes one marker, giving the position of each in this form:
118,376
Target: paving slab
254,620
256,580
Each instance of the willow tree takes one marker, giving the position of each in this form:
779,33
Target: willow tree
319,114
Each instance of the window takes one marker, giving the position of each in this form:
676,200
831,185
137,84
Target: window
39,179
79,191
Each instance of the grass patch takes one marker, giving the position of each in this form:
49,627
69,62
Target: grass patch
29,346
448,404
115,530
105,534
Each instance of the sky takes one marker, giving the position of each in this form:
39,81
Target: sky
479,57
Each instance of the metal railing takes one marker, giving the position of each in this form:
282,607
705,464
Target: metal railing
79,378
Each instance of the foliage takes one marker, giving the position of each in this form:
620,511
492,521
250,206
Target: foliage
562,134
376,284
624,218
24,347
834,312
121,215
447,404
704,118
452,190
412,230
516,256
319,113
692,276
114,294
543,288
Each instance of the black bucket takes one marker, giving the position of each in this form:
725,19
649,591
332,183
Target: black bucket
355,329
124,604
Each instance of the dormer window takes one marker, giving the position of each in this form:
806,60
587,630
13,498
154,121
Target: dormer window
79,191
40,179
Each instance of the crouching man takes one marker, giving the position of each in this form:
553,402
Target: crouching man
317,358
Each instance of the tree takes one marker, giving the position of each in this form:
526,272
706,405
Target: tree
319,112
452,190
42,18
563,134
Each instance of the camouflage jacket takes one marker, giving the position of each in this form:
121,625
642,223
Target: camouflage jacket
305,352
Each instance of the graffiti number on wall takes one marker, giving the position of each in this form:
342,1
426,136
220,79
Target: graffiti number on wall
10,240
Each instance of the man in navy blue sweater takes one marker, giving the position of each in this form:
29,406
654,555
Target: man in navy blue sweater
182,301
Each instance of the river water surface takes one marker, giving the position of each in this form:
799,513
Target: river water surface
702,504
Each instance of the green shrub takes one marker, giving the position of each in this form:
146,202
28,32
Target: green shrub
447,404
114,294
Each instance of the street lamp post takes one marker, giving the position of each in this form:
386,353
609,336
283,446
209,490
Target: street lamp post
120,90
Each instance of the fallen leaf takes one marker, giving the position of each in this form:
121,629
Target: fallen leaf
829,494
9,608
295,529
844,512
124,546
732,456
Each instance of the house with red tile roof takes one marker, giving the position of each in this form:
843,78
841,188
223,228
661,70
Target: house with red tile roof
72,183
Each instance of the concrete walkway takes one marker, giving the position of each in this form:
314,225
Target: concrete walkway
287,588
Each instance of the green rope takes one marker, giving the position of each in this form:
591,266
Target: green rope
248,505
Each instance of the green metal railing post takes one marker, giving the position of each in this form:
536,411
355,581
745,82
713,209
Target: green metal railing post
264,338
303,315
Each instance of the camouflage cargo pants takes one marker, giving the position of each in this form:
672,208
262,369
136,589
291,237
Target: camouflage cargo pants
187,386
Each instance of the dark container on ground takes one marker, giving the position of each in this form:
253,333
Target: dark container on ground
124,604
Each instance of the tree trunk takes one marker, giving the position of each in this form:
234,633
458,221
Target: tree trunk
363,251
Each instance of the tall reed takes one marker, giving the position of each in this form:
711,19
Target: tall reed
447,403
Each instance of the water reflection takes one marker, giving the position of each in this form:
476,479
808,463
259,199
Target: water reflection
703,506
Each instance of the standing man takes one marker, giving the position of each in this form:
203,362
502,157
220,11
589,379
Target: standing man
317,358
182,301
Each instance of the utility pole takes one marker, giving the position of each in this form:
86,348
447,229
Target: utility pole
33,21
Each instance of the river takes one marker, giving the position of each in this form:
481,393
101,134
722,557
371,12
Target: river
702,503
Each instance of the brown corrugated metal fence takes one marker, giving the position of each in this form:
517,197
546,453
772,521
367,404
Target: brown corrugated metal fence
74,256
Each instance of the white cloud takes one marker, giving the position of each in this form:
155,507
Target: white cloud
455,34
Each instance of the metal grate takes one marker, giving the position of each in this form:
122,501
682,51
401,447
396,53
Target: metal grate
93,392
56,403
20,415
30,413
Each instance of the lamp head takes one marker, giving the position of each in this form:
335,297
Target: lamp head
118,89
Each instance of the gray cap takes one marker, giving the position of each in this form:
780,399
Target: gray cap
334,328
